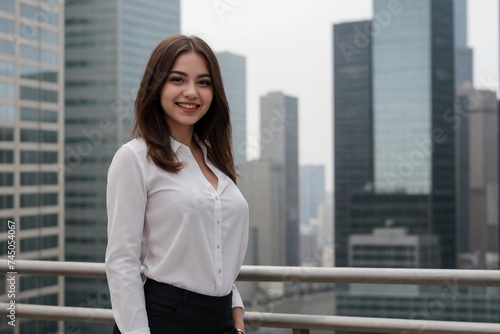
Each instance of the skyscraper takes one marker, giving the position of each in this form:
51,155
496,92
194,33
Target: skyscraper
353,156
107,46
279,146
31,147
233,69
483,182
413,91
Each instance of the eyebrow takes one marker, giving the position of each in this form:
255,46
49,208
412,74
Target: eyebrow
185,74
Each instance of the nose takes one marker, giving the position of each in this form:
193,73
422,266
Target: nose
190,92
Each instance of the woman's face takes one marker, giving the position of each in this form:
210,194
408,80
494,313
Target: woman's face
187,93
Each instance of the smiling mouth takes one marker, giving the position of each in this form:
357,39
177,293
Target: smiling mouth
188,106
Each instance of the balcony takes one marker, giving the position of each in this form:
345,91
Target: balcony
298,323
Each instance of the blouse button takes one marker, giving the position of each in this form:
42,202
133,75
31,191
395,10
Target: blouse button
220,271
216,198
218,246
218,222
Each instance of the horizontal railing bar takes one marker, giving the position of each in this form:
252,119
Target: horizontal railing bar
274,320
289,274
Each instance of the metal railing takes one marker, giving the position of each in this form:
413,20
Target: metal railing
300,324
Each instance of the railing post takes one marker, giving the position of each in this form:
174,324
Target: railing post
300,331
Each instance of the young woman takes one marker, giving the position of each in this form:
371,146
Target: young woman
173,188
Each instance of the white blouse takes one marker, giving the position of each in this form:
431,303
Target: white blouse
196,236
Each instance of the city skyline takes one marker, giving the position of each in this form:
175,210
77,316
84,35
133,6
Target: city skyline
301,37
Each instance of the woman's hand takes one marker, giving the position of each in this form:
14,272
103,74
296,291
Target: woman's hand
238,318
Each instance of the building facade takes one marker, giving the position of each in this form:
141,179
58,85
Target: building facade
107,46
31,148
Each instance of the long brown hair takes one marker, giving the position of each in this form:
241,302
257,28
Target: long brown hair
213,129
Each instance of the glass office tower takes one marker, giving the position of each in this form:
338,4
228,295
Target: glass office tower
353,156
413,93
107,46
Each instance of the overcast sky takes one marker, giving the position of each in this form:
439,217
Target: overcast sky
288,48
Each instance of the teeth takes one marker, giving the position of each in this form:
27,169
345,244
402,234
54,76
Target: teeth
187,106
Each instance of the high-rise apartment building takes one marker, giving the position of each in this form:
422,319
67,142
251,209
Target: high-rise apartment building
31,147
107,46
279,146
353,103
233,69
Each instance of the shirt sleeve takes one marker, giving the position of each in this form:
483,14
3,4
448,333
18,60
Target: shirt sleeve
237,301
126,204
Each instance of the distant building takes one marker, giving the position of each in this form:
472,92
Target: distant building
312,191
395,248
107,46
353,124
31,148
483,181
279,146
233,69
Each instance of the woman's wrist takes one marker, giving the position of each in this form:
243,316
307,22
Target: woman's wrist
238,331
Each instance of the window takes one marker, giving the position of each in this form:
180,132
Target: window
38,94
6,90
36,157
36,282
6,179
32,222
36,136
6,25
37,243
35,33
6,156
35,73
33,53
6,46
6,134
6,68
38,115
6,201
31,200
39,15
6,112
38,178
7,6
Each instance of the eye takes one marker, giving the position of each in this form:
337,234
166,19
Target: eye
204,82
176,79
